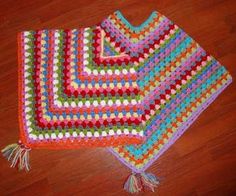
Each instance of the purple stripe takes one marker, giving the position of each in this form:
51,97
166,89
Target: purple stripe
195,85
167,51
177,134
174,74
110,27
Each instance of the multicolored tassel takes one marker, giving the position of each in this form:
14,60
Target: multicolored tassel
18,155
149,180
139,181
133,184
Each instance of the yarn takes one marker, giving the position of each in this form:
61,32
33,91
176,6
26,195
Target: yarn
133,89
18,155
74,93
177,78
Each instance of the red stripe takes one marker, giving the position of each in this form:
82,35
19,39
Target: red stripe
69,124
105,92
96,51
173,87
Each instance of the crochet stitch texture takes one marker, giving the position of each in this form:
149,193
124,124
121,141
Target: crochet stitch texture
77,88
177,79
133,89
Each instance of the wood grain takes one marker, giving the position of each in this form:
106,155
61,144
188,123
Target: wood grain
201,162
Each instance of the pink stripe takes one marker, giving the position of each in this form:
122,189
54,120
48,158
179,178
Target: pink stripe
182,97
169,80
135,46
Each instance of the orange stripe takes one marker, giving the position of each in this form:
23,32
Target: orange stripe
68,144
85,142
168,68
179,119
118,22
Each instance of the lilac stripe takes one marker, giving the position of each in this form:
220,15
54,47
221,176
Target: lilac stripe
174,74
177,134
163,54
195,85
107,24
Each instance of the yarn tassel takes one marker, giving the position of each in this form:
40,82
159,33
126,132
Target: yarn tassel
133,185
149,180
18,155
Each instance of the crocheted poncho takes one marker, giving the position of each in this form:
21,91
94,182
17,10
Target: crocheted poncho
134,89
177,79
77,88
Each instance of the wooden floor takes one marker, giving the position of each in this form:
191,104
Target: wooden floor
201,162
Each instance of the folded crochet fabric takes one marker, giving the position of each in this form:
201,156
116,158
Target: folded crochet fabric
133,89
77,88
177,81
73,93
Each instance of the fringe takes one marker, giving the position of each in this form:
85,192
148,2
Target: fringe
138,182
132,184
18,155
149,180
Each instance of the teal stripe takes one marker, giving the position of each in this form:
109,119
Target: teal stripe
137,152
136,28
162,64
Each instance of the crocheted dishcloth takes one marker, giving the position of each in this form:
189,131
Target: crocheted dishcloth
177,81
77,88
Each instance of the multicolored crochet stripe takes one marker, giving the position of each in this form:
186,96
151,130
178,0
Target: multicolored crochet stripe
177,81
77,88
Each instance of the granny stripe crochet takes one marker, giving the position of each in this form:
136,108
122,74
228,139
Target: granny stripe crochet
177,80
77,88
133,89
